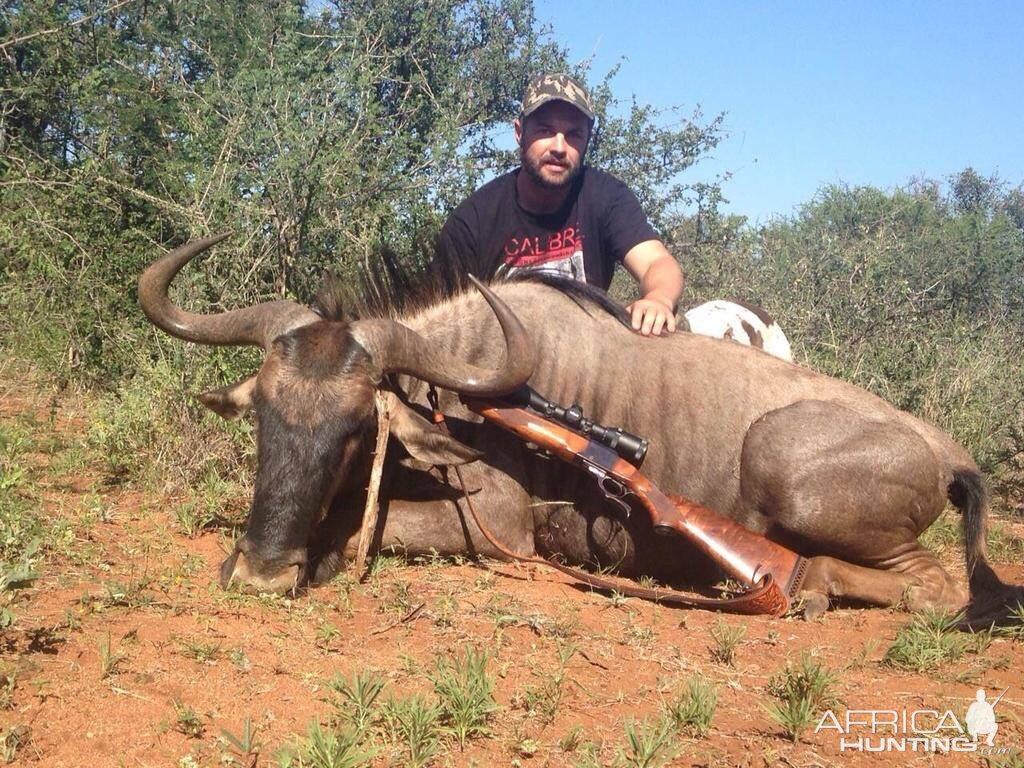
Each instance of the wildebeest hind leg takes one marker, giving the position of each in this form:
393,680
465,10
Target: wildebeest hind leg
853,491
916,583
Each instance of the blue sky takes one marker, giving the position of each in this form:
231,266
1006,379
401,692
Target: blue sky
819,92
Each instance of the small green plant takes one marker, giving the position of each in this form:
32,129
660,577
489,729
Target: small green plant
12,740
126,594
245,750
15,578
1015,628
648,745
186,720
794,715
384,565
8,682
930,640
465,692
802,689
326,634
413,724
395,596
192,517
238,657
571,741
639,635
1014,759
333,748
945,534
726,641
693,710
588,755
358,698
543,700
204,653
807,679
109,659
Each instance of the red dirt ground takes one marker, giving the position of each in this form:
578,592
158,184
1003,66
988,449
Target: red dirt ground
119,574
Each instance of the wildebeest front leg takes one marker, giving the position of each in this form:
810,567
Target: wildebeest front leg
854,492
438,522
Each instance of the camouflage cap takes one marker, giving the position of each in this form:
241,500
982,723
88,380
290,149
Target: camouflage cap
556,86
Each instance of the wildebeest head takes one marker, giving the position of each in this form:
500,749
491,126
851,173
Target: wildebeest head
314,401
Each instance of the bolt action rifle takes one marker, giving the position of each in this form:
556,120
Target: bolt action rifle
772,572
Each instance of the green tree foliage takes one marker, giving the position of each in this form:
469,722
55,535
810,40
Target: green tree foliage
315,132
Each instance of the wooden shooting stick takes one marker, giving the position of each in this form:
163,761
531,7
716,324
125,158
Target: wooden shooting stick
369,526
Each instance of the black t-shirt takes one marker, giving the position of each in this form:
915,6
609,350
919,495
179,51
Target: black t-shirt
489,233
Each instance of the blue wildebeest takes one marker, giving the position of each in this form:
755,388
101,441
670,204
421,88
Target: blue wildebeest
812,462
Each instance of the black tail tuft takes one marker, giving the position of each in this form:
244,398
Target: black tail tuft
992,601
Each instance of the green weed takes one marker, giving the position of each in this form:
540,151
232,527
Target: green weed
126,594
413,724
20,526
807,679
109,658
931,640
8,682
186,720
326,634
12,740
245,750
333,748
15,578
803,689
945,535
727,640
648,745
693,710
206,510
238,657
1015,759
794,715
588,755
358,698
466,694
204,653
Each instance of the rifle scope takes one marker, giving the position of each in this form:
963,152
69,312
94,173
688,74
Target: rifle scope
629,446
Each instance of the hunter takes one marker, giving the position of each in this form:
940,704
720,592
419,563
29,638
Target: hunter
556,214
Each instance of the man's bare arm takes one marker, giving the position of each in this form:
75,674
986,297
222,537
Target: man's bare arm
661,286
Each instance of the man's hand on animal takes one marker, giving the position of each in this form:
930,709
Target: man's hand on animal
651,317
661,285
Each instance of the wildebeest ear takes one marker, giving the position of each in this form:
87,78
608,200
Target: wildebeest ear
231,401
424,441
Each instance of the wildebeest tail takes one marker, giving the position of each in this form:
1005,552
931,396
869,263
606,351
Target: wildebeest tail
991,599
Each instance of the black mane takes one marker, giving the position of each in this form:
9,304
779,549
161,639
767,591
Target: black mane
396,287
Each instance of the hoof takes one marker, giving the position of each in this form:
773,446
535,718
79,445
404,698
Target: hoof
814,604
926,597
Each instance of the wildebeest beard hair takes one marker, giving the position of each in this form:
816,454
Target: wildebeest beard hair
393,287
295,467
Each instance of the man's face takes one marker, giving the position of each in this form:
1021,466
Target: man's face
552,143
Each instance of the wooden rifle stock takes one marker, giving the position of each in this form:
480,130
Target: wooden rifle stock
744,555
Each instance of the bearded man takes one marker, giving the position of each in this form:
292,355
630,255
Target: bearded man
556,214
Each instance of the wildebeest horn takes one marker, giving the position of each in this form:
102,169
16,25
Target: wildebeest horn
398,349
257,326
